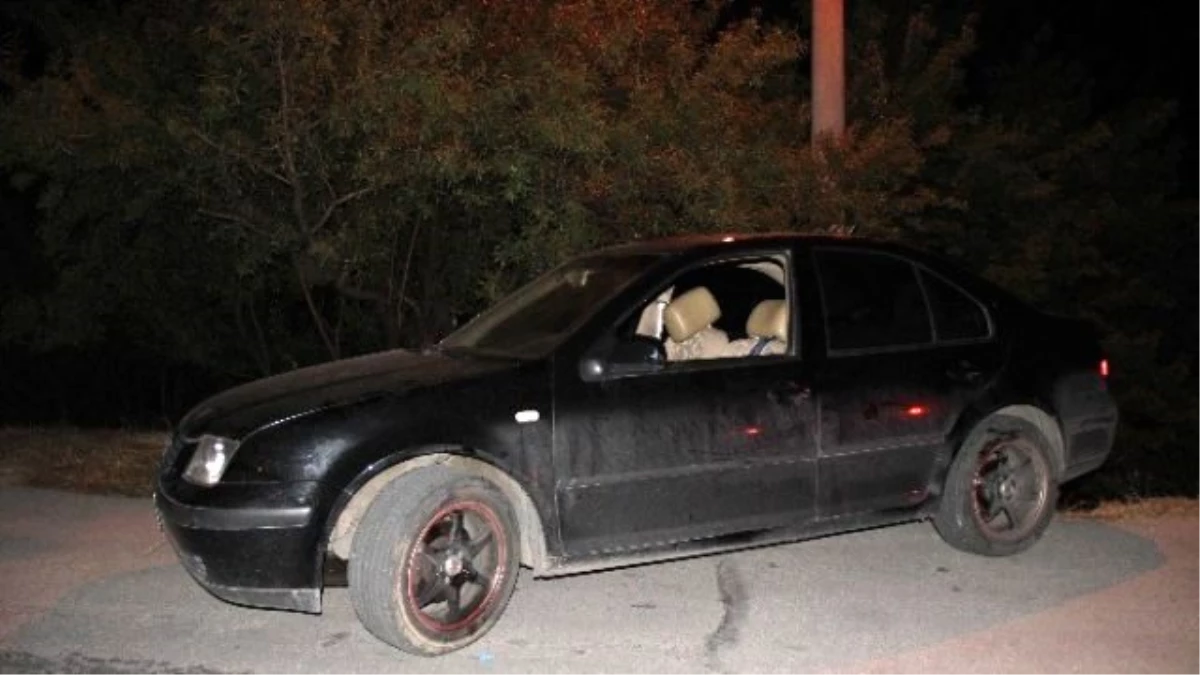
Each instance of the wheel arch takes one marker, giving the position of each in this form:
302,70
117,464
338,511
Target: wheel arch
340,536
1039,419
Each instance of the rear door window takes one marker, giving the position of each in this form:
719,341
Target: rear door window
872,301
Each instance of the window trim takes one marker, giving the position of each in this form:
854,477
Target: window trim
783,254
987,316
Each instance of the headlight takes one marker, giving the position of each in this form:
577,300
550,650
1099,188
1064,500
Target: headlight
208,463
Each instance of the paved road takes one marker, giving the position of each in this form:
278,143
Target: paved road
87,584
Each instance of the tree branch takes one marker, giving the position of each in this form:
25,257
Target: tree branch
285,146
318,320
412,244
357,293
349,196
235,218
257,345
248,161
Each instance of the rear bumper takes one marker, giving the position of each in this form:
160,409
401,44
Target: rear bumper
1089,429
256,545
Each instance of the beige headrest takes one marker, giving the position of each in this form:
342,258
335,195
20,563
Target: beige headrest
691,313
769,320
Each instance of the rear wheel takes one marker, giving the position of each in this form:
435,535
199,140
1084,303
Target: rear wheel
434,561
1001,490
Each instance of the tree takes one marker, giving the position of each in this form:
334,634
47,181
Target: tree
248,186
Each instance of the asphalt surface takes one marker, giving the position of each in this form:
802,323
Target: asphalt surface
88,585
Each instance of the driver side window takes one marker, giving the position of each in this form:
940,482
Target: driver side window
728,309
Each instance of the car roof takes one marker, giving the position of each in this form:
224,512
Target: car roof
700,245
733,241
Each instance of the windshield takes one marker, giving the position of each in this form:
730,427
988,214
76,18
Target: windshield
534,319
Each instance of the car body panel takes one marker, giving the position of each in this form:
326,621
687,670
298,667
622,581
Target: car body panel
230,545
655,460
241,410
885,423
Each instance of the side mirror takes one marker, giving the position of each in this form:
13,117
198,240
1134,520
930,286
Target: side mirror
629,356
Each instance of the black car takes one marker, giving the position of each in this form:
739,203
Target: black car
648,401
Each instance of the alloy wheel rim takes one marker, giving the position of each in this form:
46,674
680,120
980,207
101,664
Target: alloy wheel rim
456,567
1010,490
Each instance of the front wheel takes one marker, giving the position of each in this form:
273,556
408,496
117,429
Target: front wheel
1000,492
434,561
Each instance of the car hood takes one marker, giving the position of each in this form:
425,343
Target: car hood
236,412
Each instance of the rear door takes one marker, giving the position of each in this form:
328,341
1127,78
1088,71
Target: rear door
905,352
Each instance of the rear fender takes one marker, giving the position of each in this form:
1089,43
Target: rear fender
1045,424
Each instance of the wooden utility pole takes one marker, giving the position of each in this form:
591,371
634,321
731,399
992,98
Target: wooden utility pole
828,68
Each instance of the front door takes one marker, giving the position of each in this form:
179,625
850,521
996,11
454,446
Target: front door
709,445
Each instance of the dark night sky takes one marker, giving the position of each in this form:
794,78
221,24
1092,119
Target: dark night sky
1134,47
1146,49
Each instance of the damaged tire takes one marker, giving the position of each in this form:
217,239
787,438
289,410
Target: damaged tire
1001,490
434,561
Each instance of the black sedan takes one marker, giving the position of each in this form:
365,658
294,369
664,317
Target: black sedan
644,402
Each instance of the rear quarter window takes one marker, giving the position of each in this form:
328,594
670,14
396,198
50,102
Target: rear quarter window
956,315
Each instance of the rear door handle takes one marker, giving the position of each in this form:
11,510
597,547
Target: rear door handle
789,392
964,372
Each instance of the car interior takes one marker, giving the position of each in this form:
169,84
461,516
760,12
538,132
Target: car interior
719,311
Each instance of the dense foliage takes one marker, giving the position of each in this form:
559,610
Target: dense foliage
200,192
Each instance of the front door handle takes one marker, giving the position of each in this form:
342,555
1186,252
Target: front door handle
789,392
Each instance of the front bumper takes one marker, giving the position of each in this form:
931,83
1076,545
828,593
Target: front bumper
252,544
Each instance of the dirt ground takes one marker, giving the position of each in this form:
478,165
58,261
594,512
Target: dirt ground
95,461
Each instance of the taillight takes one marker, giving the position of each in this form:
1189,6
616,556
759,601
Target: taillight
1104,368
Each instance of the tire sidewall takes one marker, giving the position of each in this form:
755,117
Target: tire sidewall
956,518
467,490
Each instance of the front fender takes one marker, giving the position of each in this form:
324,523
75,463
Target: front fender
356,497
